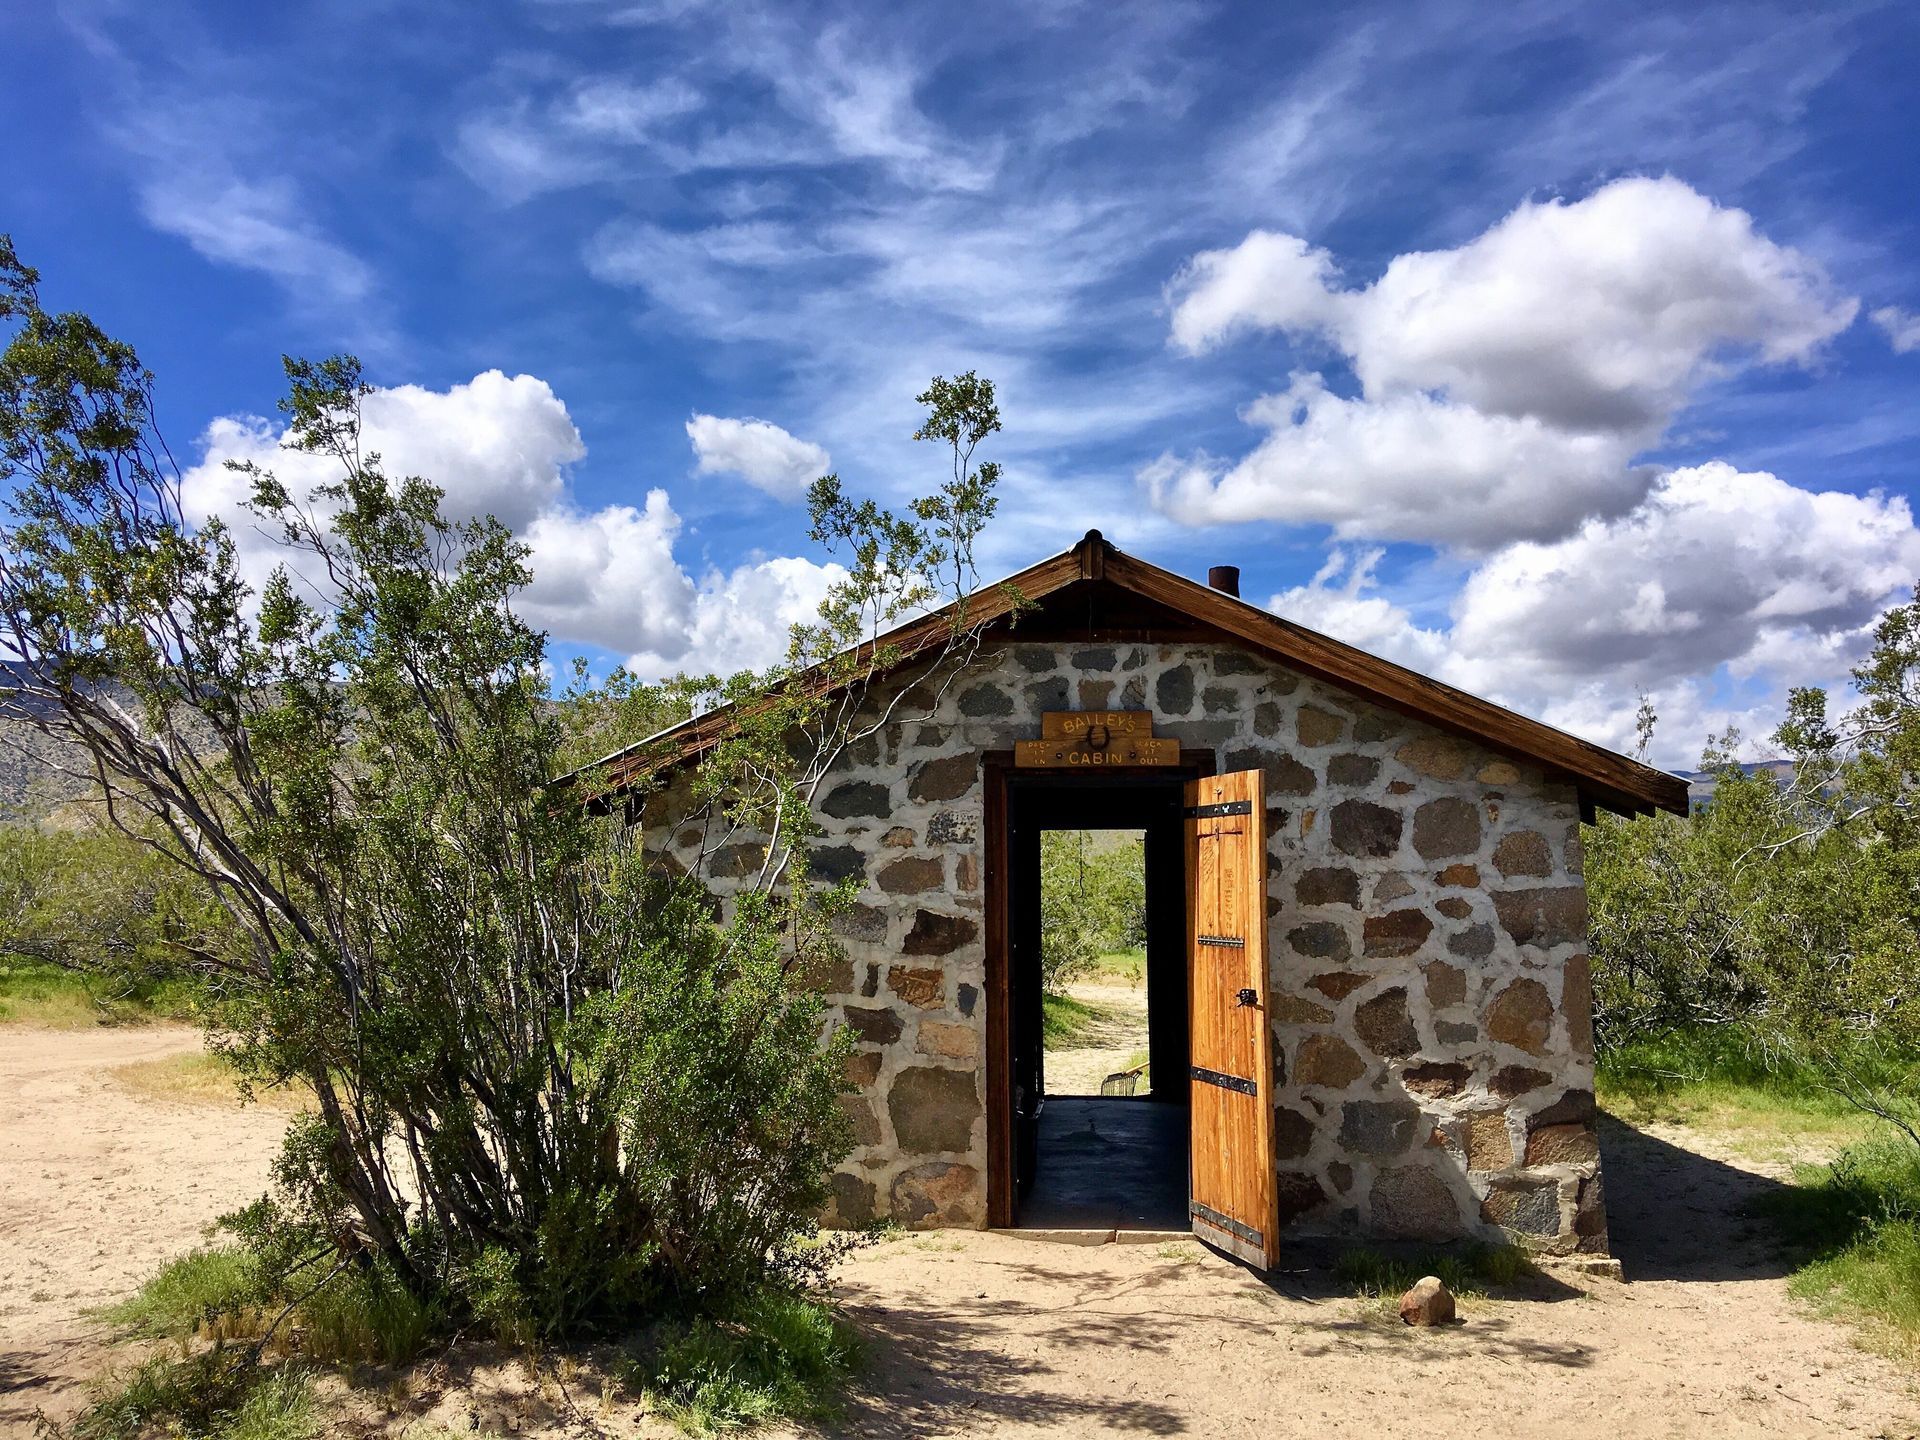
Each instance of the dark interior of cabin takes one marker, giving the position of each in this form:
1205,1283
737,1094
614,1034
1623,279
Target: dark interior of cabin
1109,1161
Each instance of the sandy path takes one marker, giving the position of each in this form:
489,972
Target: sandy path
1103,1047
97,1187
993,1335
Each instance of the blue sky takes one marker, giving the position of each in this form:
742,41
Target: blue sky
1565,351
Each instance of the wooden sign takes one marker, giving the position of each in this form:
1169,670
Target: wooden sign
1086,739
1076,724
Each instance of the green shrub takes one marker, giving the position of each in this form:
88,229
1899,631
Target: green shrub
89,921
33,993
776,1356
364,1316
1093,901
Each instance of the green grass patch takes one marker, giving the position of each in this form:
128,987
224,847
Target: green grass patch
215,1395
1856,1223
1382,1277
362,1316
202,1291
1121,965
1725,1079
54,999
366,1317
776,1357
1064,1020
213,1305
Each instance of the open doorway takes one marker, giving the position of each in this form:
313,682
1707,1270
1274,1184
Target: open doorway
1097,997
1095,1019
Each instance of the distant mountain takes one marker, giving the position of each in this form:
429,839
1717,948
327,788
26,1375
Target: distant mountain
1702,783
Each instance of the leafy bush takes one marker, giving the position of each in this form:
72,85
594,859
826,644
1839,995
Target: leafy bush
775,1355
559,1087
1786,904
88,919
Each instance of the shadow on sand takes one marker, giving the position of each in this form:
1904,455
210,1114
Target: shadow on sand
957,1363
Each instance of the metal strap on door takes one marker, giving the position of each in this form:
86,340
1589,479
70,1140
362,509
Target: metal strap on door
1211,812
1223,1080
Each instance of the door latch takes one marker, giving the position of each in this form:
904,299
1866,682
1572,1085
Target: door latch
1245,997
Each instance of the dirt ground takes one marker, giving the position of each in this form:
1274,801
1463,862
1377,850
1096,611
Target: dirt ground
97,1188
1107,1044
977,1335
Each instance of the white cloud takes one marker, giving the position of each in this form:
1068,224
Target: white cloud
1717,571
497,444
256,225
759,452
1599,315
1407,468
1342,601
1717,566
1901,326
1266,282
503,445
609,578
1506,384
741,617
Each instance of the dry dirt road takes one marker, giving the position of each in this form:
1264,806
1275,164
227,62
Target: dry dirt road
992,1335
1105,1046
97,1188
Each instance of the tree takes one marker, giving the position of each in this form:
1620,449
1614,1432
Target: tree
1789,905
553,1089
1093,901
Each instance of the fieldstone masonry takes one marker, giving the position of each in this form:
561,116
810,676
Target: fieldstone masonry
1432,1010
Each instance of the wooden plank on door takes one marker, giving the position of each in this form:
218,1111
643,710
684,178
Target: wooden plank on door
1232,1174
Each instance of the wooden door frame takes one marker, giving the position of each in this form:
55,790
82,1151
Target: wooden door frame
997,772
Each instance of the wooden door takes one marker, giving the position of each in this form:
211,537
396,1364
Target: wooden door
1231,1062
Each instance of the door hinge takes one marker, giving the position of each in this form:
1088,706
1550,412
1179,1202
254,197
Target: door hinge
1227,1223
1223,1080
1225,807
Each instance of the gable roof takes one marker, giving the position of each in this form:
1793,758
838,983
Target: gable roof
1604,778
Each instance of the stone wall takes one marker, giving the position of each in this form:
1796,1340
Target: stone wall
1427,920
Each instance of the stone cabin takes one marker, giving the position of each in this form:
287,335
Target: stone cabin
1427,1002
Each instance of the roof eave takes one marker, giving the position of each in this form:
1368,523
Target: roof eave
1604,779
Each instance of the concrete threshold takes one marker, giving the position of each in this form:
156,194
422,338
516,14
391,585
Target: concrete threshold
1095,1236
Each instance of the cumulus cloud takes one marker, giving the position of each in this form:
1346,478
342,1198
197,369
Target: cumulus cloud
1410,467
759,452
497,444
1342,600
742,616
1506,384
1902,328
1718,566
1718,570
503,446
